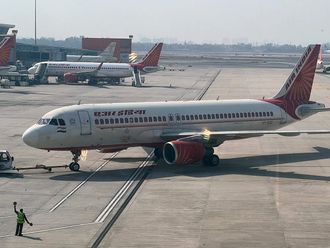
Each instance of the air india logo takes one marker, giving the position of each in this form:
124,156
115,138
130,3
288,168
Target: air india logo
5,46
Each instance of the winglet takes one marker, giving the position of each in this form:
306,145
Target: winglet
99,67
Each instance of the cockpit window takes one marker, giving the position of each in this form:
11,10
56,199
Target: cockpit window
43,121
62,122
53,122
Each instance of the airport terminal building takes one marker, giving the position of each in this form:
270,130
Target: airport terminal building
30,54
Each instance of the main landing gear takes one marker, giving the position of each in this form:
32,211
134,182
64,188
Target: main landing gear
74,166
210,159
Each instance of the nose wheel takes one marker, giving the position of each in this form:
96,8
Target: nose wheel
74,166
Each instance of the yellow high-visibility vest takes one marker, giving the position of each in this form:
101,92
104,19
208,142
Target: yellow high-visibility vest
20,218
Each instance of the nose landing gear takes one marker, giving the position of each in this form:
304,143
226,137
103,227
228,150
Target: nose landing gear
74,166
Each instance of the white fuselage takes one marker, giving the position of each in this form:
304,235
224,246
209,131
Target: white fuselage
6,69
52,68
122,125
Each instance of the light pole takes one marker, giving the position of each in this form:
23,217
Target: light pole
35,22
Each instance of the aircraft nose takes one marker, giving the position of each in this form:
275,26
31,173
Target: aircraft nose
31,137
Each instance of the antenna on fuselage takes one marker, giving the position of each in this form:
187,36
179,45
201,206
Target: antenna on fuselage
79,102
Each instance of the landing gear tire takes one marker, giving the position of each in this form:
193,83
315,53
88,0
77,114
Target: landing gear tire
74,166
212,160
158,152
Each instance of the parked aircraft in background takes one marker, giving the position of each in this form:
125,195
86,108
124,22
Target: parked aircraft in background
180,132
5,44
94,72
320,65
106,56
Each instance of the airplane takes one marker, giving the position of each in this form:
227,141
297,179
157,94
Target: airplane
93,72
5,45
320,65
106,56
179,132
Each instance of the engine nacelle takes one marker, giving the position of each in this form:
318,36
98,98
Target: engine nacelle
70,77
183,152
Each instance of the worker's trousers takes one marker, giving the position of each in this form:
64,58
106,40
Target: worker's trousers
19,229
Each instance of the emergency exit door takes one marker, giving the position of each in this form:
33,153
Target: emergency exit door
85,123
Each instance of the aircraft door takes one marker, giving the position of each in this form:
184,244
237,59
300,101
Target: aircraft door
85,123
40,72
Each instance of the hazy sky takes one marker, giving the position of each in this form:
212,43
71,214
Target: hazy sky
210,21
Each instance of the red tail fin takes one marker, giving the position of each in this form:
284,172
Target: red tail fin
297,88
299,84
5,44
152,57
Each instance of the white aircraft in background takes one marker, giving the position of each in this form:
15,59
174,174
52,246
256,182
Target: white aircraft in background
93,72
5,45
180,132
106,56
320,65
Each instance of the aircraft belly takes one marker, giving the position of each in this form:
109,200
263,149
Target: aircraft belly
127,136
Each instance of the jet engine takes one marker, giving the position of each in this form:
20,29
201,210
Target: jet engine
183,152
70,77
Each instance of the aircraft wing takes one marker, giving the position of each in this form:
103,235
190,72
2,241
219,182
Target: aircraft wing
88,72
219,137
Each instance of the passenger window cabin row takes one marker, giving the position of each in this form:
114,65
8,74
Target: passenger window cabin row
83,67
171,118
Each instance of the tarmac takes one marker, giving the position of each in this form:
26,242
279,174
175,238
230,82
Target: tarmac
270,191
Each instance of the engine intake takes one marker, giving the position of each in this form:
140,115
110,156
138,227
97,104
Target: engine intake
183,152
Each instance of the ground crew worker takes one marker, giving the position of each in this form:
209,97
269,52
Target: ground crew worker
21,218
